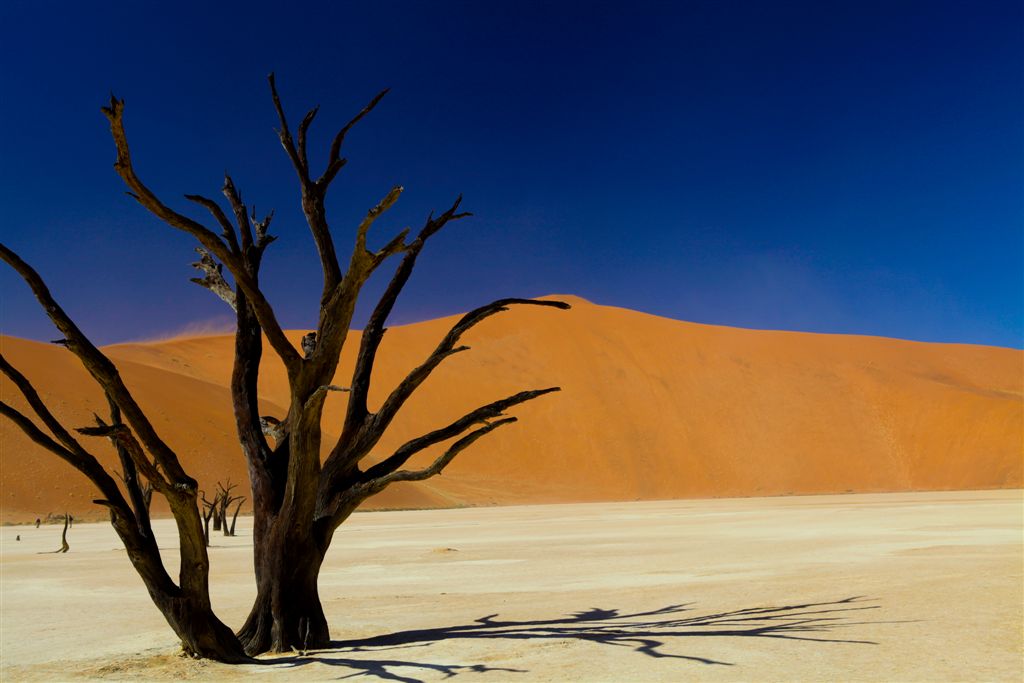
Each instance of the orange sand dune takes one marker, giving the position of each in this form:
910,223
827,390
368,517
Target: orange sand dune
650,408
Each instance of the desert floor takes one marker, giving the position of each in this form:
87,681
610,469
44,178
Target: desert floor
879,587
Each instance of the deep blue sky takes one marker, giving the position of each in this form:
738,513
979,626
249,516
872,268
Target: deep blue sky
851,167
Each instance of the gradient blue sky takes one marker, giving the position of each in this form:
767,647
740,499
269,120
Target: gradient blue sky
852,167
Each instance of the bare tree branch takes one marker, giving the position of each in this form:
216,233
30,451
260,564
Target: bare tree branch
394,402
378,484
312,197
80,459
139,495
234,198
41,438
227,230
36,403
122,436
286,135
356,411
372,215
481,414
262,238
334,160
101,369
303,129
321,391
261,307
213,278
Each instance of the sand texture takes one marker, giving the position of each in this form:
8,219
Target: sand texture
875,587
651,408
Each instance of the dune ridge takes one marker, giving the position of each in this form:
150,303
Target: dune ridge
651,408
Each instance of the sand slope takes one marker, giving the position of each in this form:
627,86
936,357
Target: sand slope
651,408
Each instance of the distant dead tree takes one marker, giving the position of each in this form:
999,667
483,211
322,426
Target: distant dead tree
226,501
209,510
298,501
217,510
64,547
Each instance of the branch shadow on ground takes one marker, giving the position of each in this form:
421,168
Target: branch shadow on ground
648,633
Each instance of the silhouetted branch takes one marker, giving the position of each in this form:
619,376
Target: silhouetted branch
481,414
234,198
101,369
139,495
123,437
264,312
356,411
440,463
227,230
312,194
446,348
36,403
334,159
285,134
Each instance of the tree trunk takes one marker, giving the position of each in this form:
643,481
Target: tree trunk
202,634
234,518
188,613
287,612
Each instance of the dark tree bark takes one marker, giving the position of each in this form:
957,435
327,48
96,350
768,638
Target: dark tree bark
298,502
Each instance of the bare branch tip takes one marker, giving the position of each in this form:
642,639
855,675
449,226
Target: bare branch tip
114,109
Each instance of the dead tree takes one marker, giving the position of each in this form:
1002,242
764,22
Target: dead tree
64,547
225,501
218,516
234,517
298,501
217,510
209,510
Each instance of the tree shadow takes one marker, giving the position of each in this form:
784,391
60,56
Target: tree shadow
647,633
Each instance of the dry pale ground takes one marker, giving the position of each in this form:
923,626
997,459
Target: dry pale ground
875,587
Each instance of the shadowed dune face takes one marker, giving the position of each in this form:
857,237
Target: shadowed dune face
650,408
